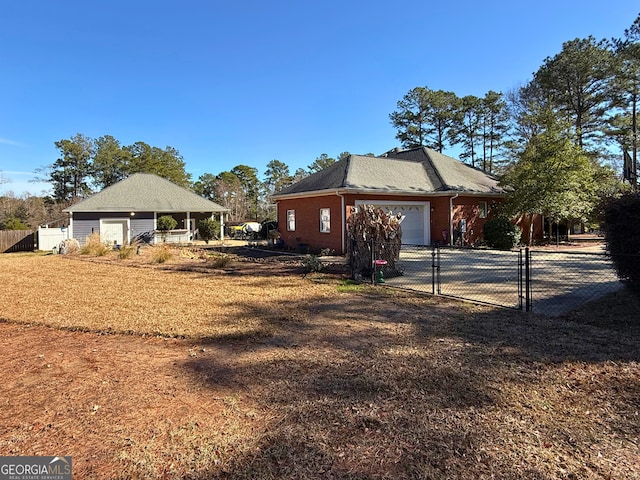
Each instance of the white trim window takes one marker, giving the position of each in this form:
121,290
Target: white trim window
325,220
482,210
291,220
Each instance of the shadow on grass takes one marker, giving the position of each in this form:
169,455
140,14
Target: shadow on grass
396,386
364,414
604,330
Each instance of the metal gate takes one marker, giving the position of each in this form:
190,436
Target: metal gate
483,276
549,282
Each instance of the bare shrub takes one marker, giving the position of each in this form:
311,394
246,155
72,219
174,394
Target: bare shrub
127,251
94,246
375,234
219,260
161,253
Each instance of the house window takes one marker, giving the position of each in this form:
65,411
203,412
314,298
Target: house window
291,220
325,220
482,210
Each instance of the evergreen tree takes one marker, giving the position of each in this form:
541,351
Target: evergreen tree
166,163
248,178
205,186
466,129
626,95
553,177
110,162
494,126
276,177
70,174
299,174
320,163
577,82
424,117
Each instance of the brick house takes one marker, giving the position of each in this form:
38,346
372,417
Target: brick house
432,191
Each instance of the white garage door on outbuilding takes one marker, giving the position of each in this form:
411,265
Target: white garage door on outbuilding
416,222
114,231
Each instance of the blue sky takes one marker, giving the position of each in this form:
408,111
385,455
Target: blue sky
229,83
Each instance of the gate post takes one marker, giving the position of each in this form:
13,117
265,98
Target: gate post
433,270
520,282
438,290
527,278
373,261
352,263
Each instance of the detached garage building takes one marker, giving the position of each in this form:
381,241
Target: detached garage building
431,190
129,210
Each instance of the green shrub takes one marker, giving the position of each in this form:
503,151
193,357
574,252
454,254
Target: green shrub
622,237
501,233
312,264
167,222
208,228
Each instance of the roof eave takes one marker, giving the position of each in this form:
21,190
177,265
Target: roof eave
366,191
134,209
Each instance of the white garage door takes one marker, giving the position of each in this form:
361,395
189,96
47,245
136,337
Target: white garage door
113,231
415,226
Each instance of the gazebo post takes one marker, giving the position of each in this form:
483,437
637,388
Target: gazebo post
221,226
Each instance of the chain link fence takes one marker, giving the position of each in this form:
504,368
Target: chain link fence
562,281
550,283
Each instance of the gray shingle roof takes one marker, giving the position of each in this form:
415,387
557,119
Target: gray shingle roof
414,171
453,174
144,192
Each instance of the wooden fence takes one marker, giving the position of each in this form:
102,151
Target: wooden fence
17,241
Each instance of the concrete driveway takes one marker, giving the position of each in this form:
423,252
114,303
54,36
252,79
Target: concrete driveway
560,281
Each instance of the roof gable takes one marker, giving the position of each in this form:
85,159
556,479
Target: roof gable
453,174
413,171
330,178
375,173
144,192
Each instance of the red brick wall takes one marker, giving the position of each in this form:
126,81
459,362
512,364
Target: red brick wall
468,208
307,233
440,233
308,218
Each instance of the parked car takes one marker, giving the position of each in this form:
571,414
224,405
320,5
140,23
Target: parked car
244,231
251,230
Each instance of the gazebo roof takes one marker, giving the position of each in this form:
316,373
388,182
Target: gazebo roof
144,192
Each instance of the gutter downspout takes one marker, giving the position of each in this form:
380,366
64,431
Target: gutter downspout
343,221
451,199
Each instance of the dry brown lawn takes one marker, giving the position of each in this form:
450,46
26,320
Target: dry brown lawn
182,370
